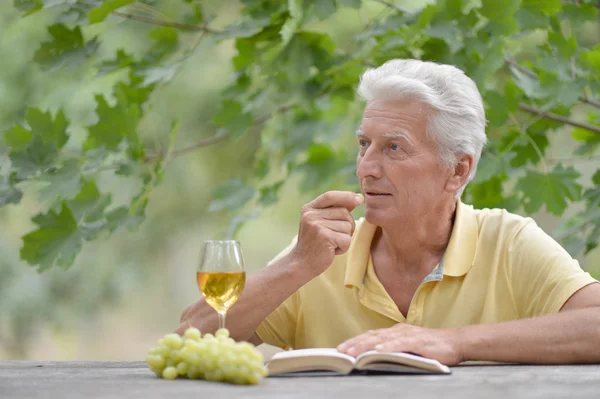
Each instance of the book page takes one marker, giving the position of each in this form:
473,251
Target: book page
407,359
328,352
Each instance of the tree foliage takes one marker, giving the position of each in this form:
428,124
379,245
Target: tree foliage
294,86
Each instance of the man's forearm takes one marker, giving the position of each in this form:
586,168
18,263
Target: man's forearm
264,291
567,337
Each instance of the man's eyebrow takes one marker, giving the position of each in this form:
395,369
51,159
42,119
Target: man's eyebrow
398,136
359,132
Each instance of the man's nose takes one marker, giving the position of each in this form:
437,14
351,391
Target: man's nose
369,164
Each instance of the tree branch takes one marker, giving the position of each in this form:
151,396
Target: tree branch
558,118
392,6
588,100
217,138
202,143
533,75
178,25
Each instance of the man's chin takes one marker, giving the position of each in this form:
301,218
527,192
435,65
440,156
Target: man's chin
375,215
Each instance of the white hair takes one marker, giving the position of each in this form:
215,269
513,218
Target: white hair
457,121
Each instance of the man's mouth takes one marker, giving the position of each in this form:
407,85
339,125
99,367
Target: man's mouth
377,194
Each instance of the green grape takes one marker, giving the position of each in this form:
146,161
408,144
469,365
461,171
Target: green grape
192,333
182,368
222,333
161,350
156,361
173,340
211,357
170,373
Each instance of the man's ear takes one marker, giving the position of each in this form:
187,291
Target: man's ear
460,173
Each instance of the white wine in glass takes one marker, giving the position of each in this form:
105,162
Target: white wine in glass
221,275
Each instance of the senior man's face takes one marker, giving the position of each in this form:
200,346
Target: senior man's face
397,164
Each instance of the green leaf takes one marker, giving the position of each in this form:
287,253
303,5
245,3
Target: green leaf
89,204
114,124
591,57
596,178
269,195
351,3
305,50
231,195
126,217
581,134
553,189
35,147
579,13
492,165
490,194
529,84
321,8
293,23
547,7
98,14
530,19
321,164
523,149
17,138
28,7
57,241
247,28
161,74
246,54
62,183
65,47
9,194
232,118
497,10
36,158
121,60
49,129
566,47
196,16
449,32
499,105
166,42
561,92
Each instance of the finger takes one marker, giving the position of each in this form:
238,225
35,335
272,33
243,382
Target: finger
338,226
402,344
367,344
346,199
337,213
352,342
340,241
182,327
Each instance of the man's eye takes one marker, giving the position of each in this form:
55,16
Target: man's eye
363,143
395,147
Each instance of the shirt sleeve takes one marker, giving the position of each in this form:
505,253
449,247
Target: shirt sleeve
542,274
279,327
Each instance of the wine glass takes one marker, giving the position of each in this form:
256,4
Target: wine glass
221,275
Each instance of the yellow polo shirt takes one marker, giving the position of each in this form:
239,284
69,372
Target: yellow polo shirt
497,267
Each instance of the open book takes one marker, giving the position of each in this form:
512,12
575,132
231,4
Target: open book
329,359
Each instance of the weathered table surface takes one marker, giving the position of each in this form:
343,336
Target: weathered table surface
63,380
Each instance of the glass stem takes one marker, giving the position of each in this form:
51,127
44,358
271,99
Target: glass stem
222,319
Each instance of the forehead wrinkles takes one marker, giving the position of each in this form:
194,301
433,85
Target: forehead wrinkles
389,119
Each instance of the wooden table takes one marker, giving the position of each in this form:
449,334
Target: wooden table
64,380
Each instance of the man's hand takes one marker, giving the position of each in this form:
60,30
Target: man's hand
442,345
326,228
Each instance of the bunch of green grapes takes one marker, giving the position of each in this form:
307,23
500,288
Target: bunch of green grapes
209,357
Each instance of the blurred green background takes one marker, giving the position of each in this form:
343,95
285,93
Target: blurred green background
129,289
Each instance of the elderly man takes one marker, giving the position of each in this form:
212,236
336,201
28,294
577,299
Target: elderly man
423,272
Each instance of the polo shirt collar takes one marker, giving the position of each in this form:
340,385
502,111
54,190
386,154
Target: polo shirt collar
458,258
